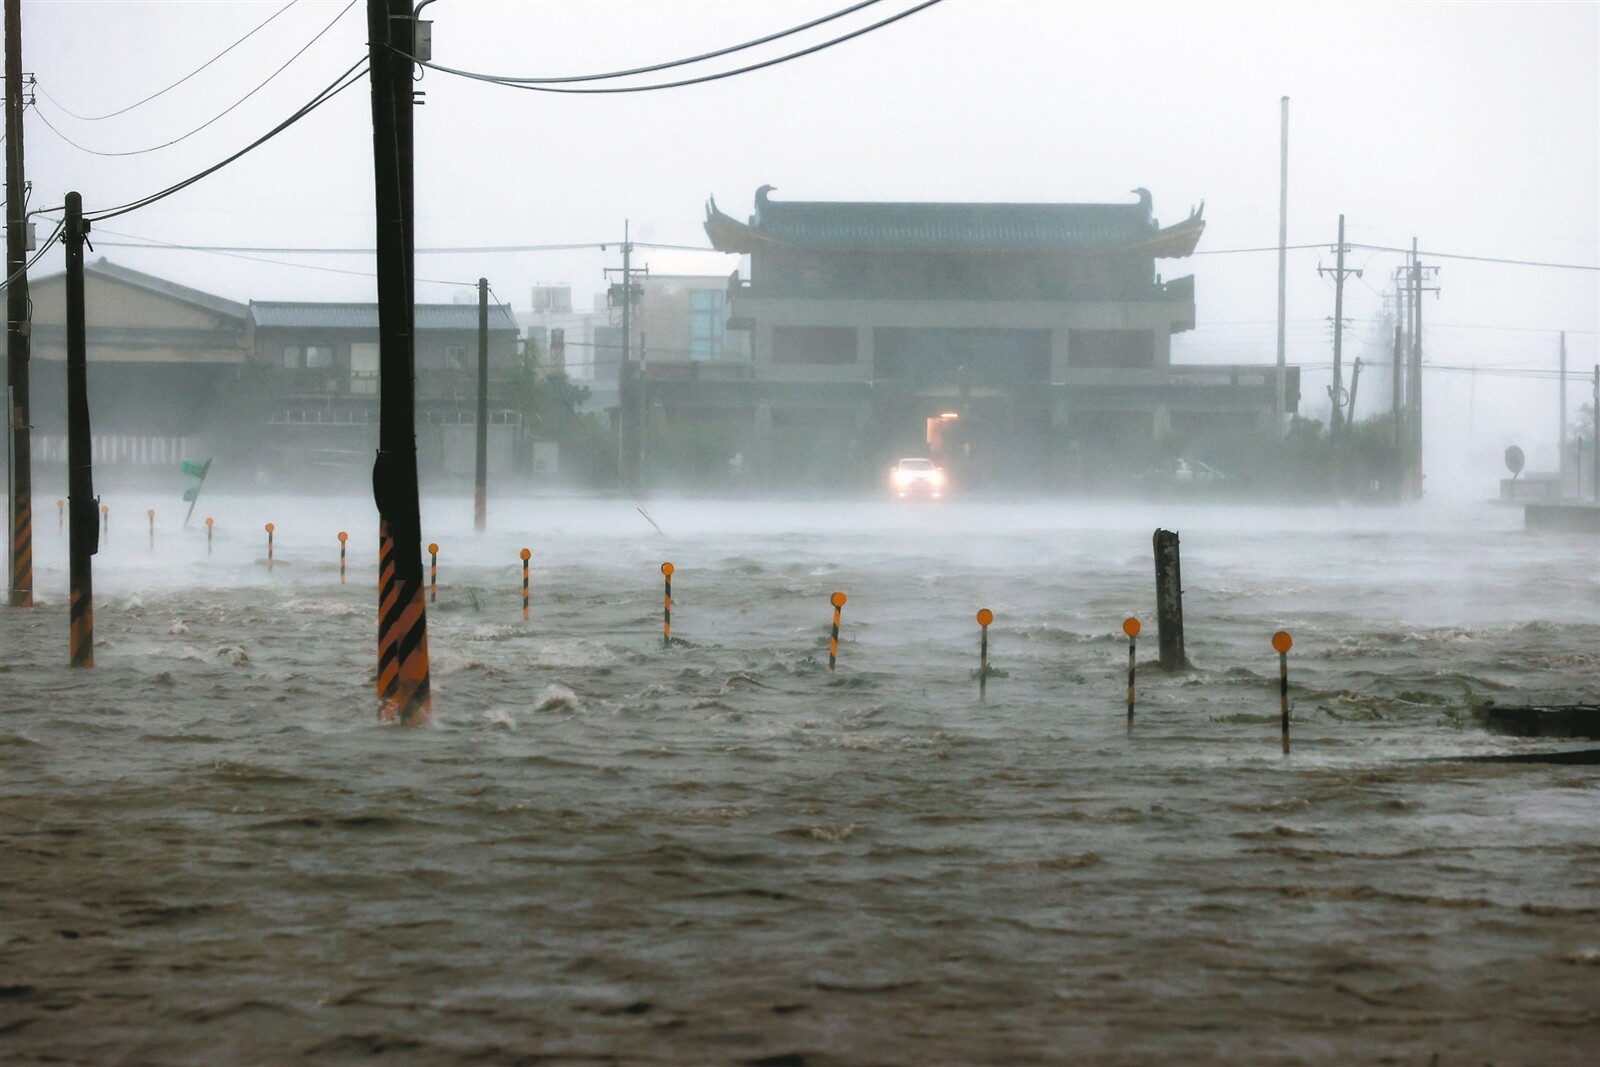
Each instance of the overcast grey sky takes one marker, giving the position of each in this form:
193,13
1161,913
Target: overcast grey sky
1475,127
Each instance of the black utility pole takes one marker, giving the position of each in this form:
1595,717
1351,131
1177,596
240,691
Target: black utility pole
1394,415
83,539
1336,391
403,681
480,498
18,351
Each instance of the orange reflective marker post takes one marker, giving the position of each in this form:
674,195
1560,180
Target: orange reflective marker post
433,572
61,515
105,515
1283,643
526,555
837,600
151,515
343,537
1130,626
985,617
209,524
666,614
270,528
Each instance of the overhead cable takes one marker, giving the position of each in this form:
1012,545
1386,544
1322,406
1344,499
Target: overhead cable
174,85
215,118
351,75
531,85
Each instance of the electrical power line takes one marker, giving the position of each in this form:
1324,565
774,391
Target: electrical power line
543,86
351,75
1481,259
215,118
174,85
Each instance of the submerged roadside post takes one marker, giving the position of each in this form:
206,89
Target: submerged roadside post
985,617
838,602
666,615
1130,626
1282,642
210,522
150,513
526,555
433,572
61,515
1169,602
105,518
270,528
343,537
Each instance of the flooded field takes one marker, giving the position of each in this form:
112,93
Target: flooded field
607,851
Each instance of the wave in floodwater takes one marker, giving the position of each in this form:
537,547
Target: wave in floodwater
610,850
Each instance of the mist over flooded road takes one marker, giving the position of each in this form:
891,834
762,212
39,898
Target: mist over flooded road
609,851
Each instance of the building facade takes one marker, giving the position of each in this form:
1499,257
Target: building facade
1020,344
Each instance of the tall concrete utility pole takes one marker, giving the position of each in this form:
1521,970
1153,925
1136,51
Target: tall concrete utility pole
403,680
18,350
1561,434
1283,254
83,537
629,435
1336,391
480,496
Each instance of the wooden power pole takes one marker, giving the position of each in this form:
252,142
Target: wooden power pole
18,351
403,680
83,539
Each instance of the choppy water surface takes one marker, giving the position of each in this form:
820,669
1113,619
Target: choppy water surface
607,851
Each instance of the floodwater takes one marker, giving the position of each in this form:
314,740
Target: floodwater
607,851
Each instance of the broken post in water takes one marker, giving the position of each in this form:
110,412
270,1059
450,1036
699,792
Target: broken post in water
1169,602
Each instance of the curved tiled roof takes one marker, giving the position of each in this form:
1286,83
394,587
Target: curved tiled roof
951,226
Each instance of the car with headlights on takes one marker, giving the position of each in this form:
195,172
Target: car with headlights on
917,477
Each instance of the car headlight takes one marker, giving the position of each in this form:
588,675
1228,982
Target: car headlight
937,477
902,477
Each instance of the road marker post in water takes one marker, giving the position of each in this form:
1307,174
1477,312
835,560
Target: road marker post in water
433,572
1130,626
105,517
526,555
985,617
270,528
838,601
210,522
343,537
666,614
61,515
150,513
1282,642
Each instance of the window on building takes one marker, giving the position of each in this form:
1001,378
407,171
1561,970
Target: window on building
707,317
364,368
813,344
1111,348
308,357
455,357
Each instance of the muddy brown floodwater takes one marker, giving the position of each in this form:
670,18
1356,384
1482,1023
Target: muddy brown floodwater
605,851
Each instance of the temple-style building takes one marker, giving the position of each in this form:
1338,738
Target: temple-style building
1022,344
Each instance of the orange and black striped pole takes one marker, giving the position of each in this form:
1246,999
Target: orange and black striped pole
343,537
985,617
526,555
404,687
270,528
666,614
22,546
1282,643
433,572
1130,626
84,533
150,513
210,522
837,600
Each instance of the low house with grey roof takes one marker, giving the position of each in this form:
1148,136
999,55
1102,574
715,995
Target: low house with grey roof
321,360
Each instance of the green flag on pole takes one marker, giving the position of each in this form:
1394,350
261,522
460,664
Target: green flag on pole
193,468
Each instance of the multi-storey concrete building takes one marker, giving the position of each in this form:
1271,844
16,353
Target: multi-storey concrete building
1020,343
